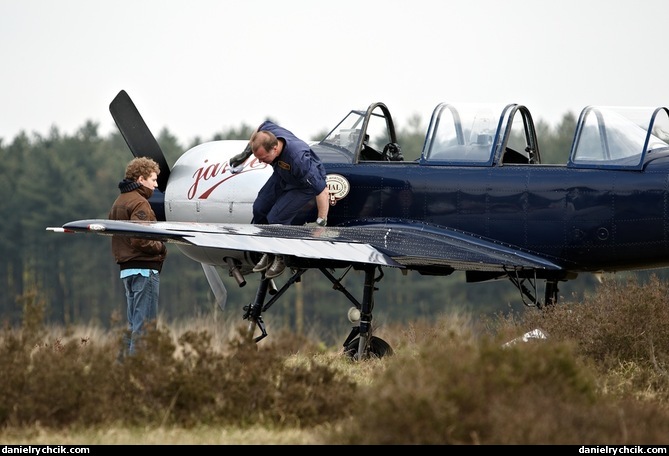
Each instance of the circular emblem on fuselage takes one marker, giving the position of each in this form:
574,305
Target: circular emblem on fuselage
338,187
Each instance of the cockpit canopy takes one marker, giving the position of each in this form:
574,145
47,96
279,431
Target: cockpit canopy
619,137
480,135
360,136
493,135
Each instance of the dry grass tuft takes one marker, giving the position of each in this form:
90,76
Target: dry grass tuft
599,376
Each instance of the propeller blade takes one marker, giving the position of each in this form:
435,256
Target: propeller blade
137,135
216,284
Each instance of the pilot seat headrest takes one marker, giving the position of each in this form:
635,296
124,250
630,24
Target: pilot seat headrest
393,152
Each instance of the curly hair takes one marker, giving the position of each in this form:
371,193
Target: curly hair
141,166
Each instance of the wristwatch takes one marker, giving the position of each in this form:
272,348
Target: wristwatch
321,221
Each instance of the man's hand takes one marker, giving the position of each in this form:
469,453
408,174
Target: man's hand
237,169
317,228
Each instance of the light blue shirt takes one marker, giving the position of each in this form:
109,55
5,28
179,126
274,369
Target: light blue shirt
145,272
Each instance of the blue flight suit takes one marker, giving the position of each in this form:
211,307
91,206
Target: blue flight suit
289,195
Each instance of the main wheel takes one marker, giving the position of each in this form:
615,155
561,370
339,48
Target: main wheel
377,347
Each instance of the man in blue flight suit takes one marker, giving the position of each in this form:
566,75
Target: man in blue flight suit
288,196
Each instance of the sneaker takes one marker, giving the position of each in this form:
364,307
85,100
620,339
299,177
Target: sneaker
276,269
263,263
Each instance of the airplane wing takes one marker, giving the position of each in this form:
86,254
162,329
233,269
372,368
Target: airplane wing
380,242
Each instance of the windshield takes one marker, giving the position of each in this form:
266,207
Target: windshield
347,133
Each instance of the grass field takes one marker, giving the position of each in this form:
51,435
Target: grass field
601,376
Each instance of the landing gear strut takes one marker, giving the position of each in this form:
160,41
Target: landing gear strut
253,312
550,295
359,344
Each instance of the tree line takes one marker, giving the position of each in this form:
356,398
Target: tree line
49,180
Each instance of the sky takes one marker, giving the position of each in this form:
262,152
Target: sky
201,67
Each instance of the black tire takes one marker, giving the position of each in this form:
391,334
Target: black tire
377,348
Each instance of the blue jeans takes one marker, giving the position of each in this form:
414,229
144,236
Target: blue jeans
141,293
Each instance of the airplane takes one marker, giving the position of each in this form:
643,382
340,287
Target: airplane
478,199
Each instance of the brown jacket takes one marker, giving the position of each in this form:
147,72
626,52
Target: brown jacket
133,204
